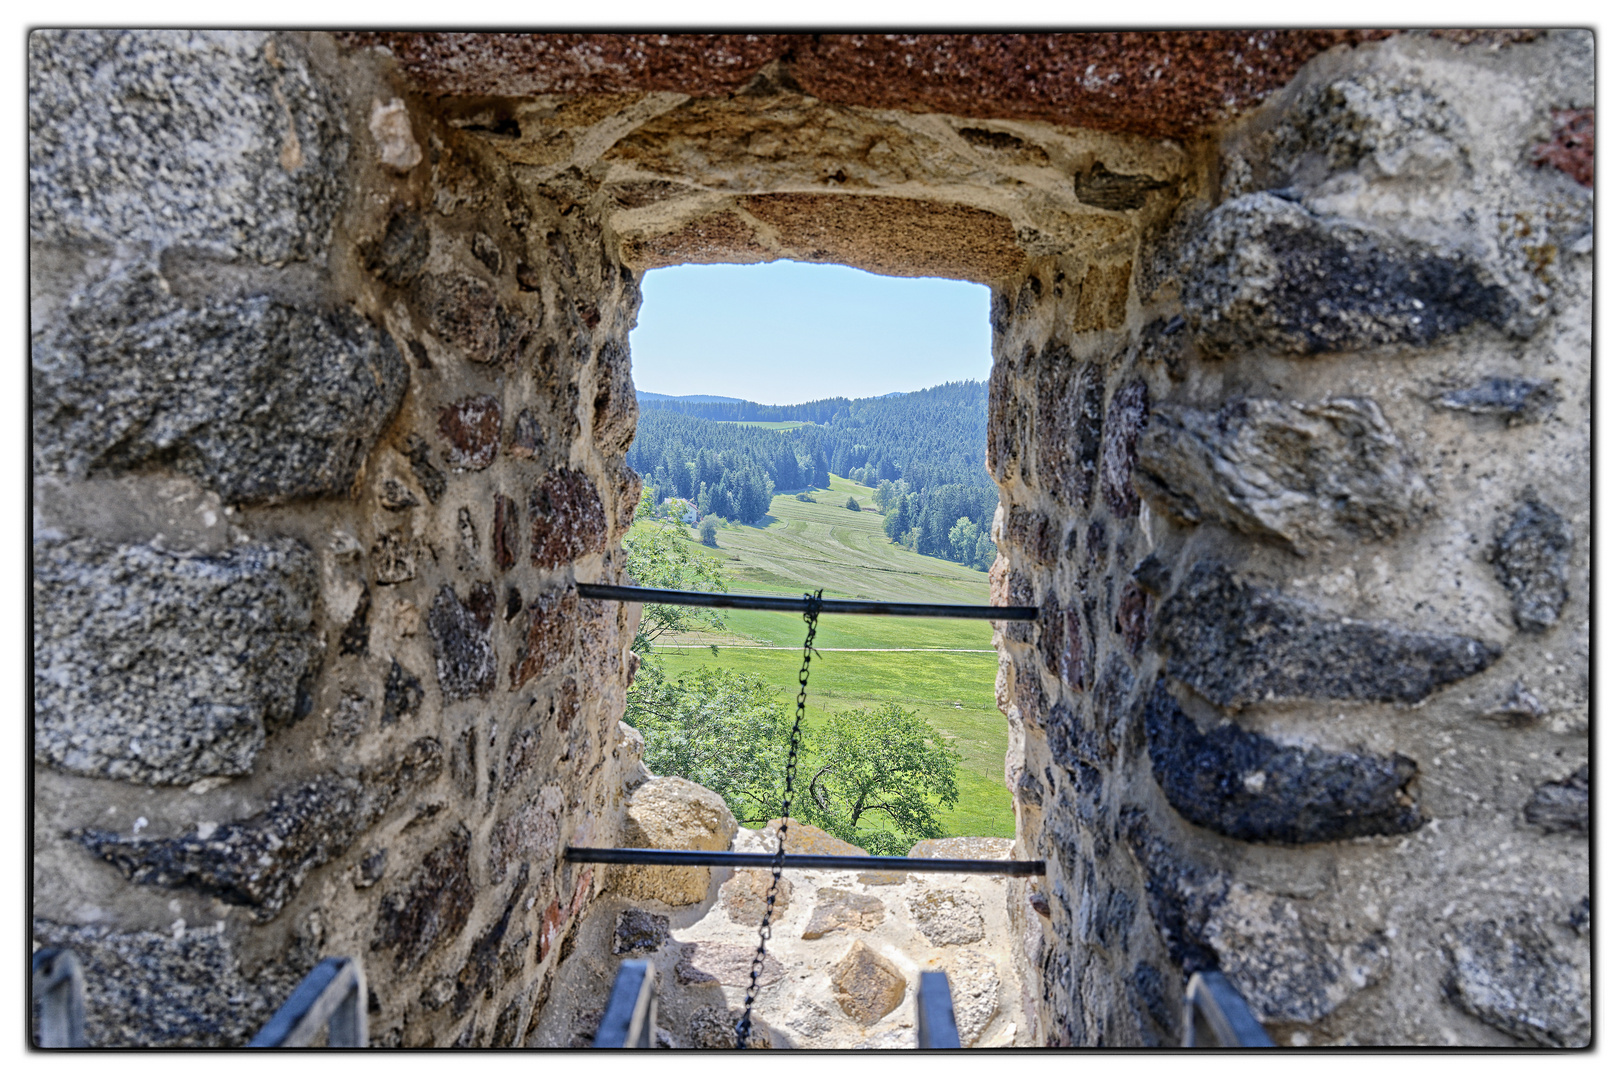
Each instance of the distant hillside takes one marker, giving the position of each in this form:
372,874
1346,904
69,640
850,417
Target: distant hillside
925,452
697,399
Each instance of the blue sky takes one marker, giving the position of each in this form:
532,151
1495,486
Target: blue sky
782,333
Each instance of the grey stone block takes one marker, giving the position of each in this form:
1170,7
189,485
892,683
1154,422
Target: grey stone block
257,399
223,140
164,669
1530,560
178,989
1515,401
1236,643
1561,805
261,861
1301,473
1267,274
1507,974
1250,787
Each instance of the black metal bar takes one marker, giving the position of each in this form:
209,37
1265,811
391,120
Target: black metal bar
333,996
937,1026
629,1019
657,857
1215,1014
797,604
58,985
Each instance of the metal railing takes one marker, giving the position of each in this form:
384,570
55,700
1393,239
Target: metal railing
797,604
59,990
765,860
937,1025
1215,1014
332,996
628,1021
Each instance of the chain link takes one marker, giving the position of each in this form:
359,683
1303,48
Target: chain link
814,604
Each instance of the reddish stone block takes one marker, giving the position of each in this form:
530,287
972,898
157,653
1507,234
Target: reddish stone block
550,637
1133,616
431,908
504,533
566,519
473,427
1572,146
1033,534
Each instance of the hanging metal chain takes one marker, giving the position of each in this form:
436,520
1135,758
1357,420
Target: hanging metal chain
814,604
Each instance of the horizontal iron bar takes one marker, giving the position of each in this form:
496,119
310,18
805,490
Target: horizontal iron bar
798,604
656,857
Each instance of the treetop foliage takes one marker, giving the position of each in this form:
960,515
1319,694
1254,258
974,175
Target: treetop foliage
929,446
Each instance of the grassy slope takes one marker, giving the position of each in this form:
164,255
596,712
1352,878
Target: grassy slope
806,545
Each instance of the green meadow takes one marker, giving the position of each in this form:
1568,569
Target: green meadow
801,546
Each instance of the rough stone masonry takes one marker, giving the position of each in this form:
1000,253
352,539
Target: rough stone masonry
1290,415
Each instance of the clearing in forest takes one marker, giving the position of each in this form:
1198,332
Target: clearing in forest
805,545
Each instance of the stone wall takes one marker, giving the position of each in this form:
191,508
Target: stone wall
1290,415
329,414
1303,491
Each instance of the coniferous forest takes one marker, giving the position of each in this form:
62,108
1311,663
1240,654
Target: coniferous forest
924,452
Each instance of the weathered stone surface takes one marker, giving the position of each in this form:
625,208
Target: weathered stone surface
566,519
430,908
866,985
261,861
402,694
221,139
422,466
1123,424
840,910
1571,147
165,669
1299,473
473,427
1288,966
721,962
529,834
973,978
1070,423
484,957
1505,973
1267,274
947,916
1250,787
464,657
712,1027
962,847
614,406
1530,559
394,558
1236,643
257,399
464,313
1159,83
506,533
1561,805
400,253
357,635
1114,191
158,990
743,896
803,839
1520,706
637,931
675,815
1515,401
549,637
